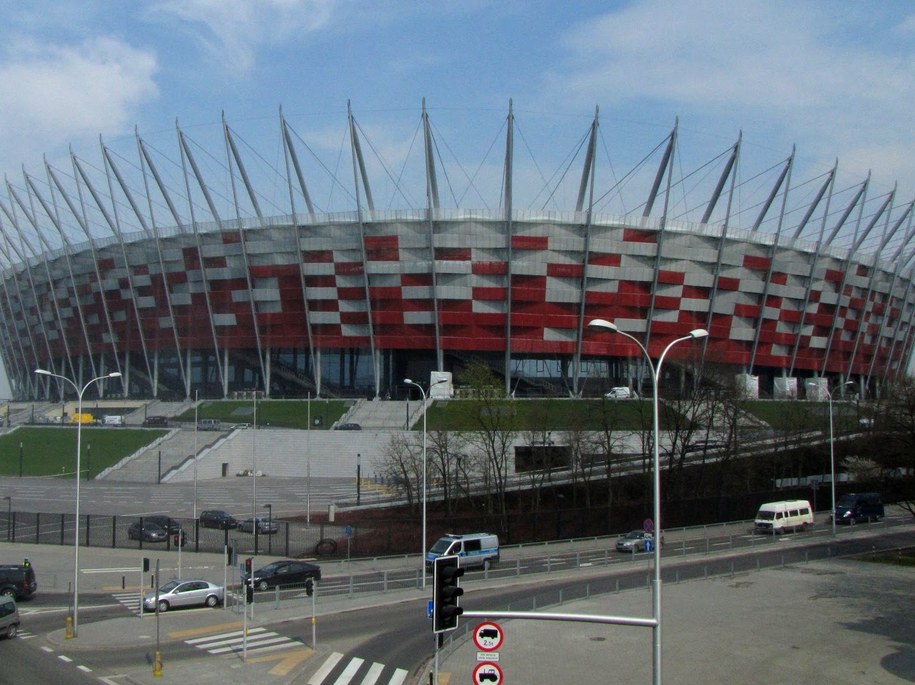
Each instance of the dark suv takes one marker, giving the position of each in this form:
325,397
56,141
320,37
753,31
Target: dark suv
18,580
215,518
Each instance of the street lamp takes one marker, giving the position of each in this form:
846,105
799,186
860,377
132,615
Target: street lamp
407,381
9,516
832,459
604,325
79,434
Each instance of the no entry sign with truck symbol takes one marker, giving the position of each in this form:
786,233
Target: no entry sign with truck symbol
488,636
487,672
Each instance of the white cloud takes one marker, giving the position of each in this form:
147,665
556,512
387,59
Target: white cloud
234,31
786,72
59,94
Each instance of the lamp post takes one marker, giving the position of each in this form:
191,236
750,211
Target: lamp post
407,381
602,324
196,422
832,459
79,433
9,516
358,479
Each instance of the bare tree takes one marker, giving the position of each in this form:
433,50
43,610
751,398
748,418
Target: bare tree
448,465
402,466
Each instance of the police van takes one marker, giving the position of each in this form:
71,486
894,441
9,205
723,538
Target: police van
472,549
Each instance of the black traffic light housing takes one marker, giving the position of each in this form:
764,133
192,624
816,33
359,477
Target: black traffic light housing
248,565
446,595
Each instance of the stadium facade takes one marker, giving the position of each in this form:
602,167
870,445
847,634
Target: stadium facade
185,285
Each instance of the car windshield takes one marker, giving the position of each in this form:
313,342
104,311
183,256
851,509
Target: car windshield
766,515
168,587
441,546
847,501
634,534
270,568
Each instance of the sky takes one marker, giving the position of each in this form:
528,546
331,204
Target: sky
834,79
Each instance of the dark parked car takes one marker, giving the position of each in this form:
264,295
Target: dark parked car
147,532
156,422
166,522
857,507
216,518
285,573
349,427
18,580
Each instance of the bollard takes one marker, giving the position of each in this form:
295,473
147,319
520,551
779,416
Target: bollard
157,665
69,629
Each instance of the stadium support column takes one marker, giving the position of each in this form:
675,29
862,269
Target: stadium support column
587,183
359,171
723,239
811,273
784,178
432,205
667,162
840,292
187,158
509,144
291,157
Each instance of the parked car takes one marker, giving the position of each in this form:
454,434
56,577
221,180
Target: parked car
185,593
265,526
170,525
18,580
147,532
156,422
285,573
633,541
9,617
216,518
349,427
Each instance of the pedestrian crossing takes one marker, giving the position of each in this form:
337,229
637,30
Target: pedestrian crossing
337,670
129,600
258,640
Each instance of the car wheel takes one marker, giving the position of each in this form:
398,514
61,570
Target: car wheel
262,585
212,600
163,606
11,631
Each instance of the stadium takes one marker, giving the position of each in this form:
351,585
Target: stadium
212,270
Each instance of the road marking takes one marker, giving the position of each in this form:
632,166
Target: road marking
444,679
373,675
400,675
84,669
351,669
325,669
193,632
224,636
132,569
63,657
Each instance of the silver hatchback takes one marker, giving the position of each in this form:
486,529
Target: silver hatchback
185,593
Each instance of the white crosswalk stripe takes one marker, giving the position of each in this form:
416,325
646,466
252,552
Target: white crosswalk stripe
130,600
337,670
259,640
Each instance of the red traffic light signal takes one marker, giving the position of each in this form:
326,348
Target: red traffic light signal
248,565
446,594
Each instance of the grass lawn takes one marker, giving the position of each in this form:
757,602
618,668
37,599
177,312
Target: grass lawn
51,451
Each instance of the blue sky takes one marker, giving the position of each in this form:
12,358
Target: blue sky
836,79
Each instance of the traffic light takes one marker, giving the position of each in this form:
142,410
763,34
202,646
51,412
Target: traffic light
230,557
145,564
446,594
249,593
248,566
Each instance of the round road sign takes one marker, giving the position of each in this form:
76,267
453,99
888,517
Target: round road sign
648,525
487,672
488,636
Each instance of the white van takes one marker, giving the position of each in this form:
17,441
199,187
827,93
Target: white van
472,549
9,617
113,420
781,517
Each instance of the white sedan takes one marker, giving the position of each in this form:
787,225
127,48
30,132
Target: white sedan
185,593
